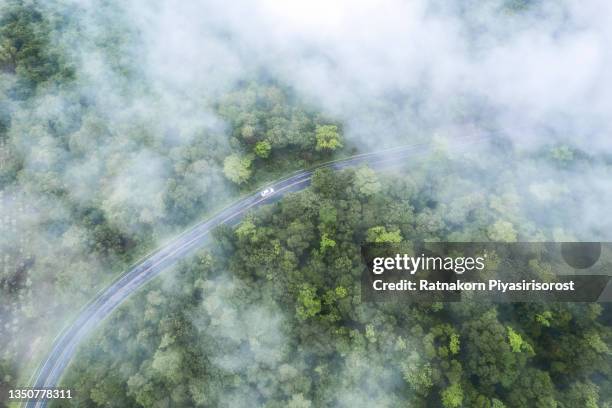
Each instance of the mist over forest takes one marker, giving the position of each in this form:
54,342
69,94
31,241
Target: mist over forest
122,123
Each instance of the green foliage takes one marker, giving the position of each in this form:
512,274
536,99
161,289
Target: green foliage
281,259
420,377
222,331
246,229
308,305
582,394
269,115
326,242
380,234
517,344
168,363
237,168
367,182
495,403
594,341
328,215
502,231
341,292
488,353
370,333
454,344
534,388
262,149
25,46
544,318
266,117
515,339
324,182
327,138
452,396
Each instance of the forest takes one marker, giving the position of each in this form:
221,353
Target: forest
70,162
104,156
271,314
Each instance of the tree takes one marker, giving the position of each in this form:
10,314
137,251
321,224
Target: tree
533,389
327,138
330,184
168,364
502,231
246,229
237,168
328,214
142,389
262,149
326,242
366,181
517,343
381,235
308,305
26,48
489,355
582,394
452,396
418,375
454,344
300,235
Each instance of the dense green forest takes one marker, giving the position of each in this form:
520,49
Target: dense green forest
70,161
271,315
100,163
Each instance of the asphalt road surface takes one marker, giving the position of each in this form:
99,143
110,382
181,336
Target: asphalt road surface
50,372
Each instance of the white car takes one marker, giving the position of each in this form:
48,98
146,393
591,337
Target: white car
267,192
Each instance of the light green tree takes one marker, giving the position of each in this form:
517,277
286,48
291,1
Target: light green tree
454,344
237,168
326,242
308,305
452,396
262,149
327,138
381,235
517,344
246,229
418,376
502,231
366,181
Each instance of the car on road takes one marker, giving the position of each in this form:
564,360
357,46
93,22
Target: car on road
267,192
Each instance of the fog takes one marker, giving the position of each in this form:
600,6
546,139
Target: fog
542,67
392,72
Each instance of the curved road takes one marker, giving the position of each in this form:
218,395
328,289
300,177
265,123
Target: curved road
49,373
